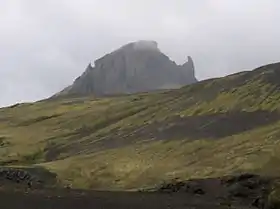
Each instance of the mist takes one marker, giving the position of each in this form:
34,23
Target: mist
45,45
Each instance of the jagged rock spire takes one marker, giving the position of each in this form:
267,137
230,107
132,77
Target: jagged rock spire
136,67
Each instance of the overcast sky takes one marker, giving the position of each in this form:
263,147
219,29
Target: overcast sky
46,44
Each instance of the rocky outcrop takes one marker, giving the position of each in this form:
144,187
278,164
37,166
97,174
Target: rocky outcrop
26,177
246,188
135,67
18,176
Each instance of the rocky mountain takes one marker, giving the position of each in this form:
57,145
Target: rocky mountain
136,67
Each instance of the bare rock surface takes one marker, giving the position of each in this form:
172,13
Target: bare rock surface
136,67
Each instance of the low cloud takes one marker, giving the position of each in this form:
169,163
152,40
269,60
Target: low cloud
45,45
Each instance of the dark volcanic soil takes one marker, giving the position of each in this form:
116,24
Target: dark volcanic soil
105,200
244,191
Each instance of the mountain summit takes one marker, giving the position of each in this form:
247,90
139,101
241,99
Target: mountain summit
136,67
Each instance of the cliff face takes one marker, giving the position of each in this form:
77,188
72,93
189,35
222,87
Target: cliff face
135,67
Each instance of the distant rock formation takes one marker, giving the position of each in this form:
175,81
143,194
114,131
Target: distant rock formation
135,67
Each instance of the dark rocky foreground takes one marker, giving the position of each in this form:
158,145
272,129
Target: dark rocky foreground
242,191
107,200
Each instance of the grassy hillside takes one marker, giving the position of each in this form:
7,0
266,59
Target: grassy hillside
209,129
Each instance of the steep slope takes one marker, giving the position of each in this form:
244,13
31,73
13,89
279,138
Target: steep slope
209,129
135,67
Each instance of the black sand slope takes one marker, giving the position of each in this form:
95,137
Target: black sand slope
243,191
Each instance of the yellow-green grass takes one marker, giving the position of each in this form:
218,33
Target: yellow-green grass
209,129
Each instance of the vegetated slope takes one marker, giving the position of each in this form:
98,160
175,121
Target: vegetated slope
210,129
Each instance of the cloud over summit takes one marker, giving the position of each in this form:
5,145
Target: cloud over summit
45,45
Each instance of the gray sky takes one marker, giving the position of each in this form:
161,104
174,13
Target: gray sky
46,44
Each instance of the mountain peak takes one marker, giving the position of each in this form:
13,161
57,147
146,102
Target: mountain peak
145,45
139,46
135,67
